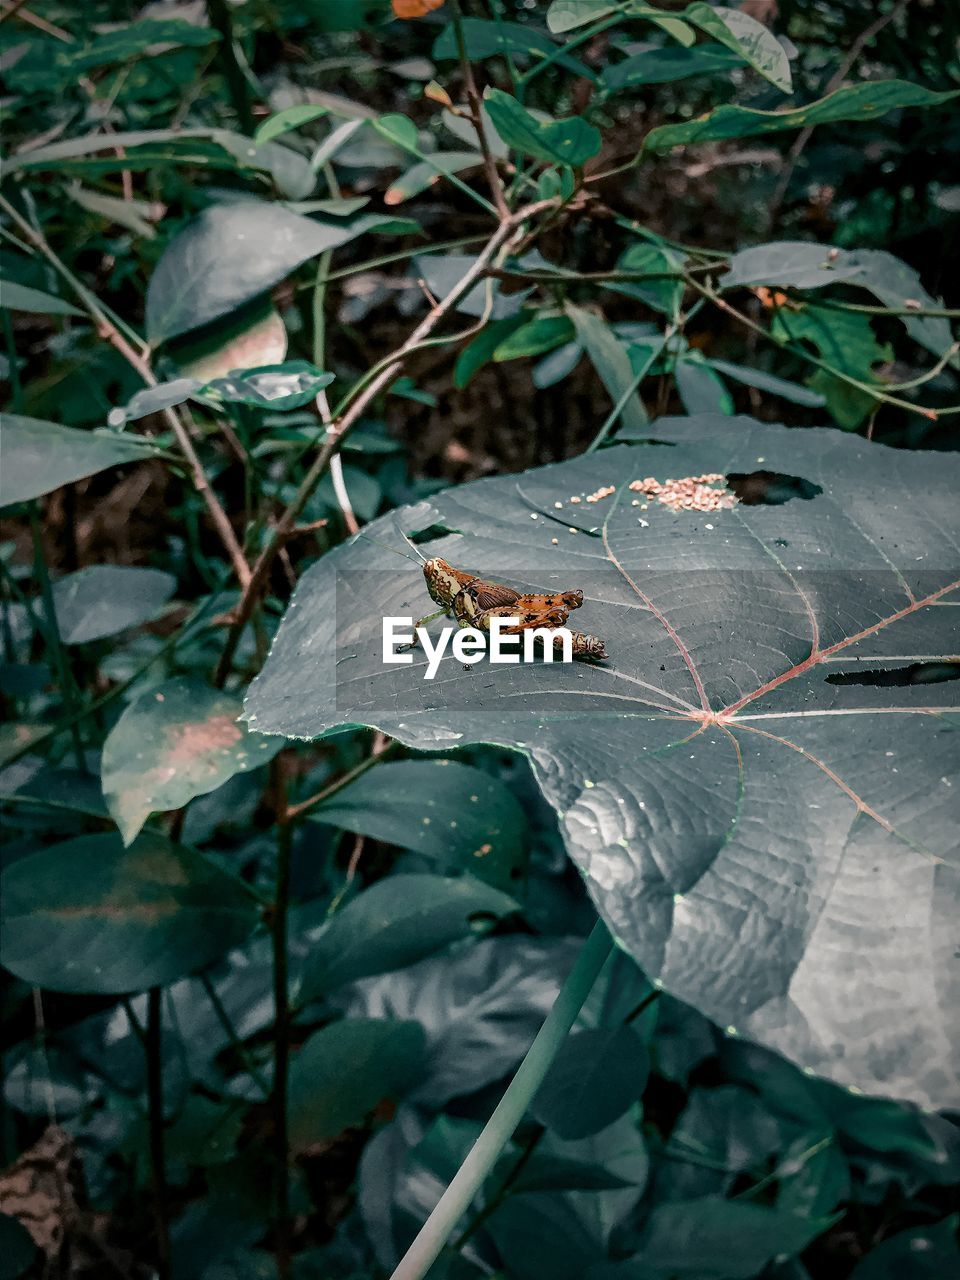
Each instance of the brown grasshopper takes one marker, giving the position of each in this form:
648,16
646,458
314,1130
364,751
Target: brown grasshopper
474,601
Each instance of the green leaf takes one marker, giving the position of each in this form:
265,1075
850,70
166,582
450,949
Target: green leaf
175,741
663,295
735,728
40,456
17,1250
542,333
567,15
458,816
545,1172
592,1081
570,141
394,923
90,917
922,1253
663,66
290,118
611,361
427,172
344,1070
443,272
866,101
847,341
20,297
480,350
541,1237
233,253
277,387
699,388
105,599
712,1238
751,377
484,39
747,37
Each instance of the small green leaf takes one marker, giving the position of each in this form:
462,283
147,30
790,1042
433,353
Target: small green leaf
394,923
699,387
480,351
20,297
594,1078
40,456
399,130
747,37
178,740
458,816
649,259
105,599
866,101
611,361
540,334
485,39
662,66
90,917
751,377
846,340
290,118
571,141
427,172
345,1069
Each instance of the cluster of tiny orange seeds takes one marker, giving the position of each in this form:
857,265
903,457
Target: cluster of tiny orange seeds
692,493
603,492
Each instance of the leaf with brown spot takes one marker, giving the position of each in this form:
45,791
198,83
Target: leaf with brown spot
90,917
176,741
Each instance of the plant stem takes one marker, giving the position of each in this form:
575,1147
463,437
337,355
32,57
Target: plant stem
281,1024
628,391
240,1048
497,1132
476,114
154,1053
221,20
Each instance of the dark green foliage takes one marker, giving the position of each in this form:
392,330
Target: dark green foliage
653,958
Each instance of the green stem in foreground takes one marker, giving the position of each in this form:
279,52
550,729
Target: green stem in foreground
510,1110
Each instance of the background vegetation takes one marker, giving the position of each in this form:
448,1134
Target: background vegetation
272,269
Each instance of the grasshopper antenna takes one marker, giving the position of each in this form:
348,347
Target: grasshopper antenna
419,558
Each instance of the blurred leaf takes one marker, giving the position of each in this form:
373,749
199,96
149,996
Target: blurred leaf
546,1172
556,366
700,389
175,741
252,338
344,1070
20,297
394,923
479,351
441,273
571,141
663,295
17,1250
458,816
231,254
427,172
594,1078
867,101
40,456
751,377
611,361
290,118
104,599
542,333
137,216
747,37
484,39
715,1238
797,263
90,917
847,341
923,1253
277,387
662,66
480,1008
567,15
537,1236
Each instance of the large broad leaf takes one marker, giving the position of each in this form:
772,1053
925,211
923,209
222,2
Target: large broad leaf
232,253
104,599
661,66
866,101
571,141
178,740
760,786
88,916
745,36
40,456
20,297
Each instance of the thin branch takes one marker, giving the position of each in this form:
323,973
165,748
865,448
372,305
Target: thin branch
476,115
107,330
835,81
347,419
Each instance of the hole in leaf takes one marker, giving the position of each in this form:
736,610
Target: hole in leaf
417,536
900,677
770,488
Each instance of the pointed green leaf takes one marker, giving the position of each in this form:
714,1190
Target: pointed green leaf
105,599
571,141
40,456
746,36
